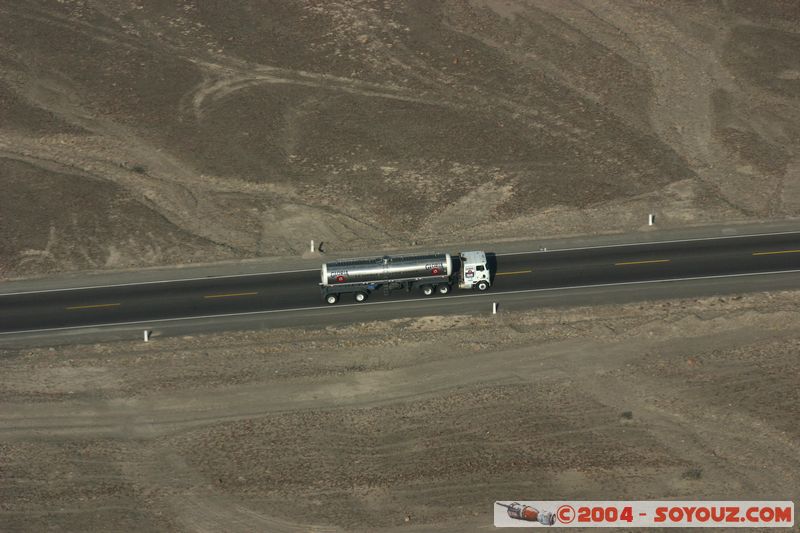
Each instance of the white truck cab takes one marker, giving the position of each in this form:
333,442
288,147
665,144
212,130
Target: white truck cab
474,271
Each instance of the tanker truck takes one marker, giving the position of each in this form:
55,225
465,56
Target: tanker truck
428,273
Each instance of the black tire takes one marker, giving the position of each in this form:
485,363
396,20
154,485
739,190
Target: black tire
331,299
427,290
444,289
482,285
361,297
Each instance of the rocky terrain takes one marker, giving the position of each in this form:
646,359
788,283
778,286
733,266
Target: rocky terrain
136,134
149,133
413,424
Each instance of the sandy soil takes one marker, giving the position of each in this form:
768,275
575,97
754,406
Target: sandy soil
412,424
148,133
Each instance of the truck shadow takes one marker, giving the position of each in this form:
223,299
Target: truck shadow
491,260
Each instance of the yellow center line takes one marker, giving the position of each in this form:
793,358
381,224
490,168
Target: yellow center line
513,273
230,295
642,262
91,306
778,252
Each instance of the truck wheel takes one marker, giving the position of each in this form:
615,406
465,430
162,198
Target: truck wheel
331,299
482,286
427,290
361,296
444,289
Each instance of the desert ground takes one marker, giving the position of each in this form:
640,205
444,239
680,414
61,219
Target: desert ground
151,133
412,424
138,134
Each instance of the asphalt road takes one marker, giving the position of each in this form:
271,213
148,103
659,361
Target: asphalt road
533,271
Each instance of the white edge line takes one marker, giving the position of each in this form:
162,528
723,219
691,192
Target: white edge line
158,281
650,242
334,307
316,269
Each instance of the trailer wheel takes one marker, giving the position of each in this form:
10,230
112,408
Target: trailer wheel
361,296
427,290
482,285
444,289
331,299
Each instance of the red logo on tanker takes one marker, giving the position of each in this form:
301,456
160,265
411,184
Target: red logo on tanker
340,278
433,268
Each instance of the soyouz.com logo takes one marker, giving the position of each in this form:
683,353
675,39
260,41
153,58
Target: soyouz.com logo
628,514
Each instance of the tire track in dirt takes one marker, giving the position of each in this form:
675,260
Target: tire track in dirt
698,432
164,414
685,71
171,188
609,369
185,198
223,80
169,485
102,34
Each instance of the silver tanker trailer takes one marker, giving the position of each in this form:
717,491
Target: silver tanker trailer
430,273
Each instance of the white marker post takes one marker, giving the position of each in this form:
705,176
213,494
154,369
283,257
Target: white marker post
651,219
312,246
494,308
146,336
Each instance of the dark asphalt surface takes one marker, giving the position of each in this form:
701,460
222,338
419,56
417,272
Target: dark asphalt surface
299,290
